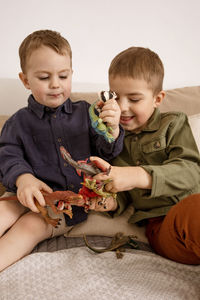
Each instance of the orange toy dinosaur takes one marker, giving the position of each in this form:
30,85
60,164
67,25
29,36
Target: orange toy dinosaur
63,199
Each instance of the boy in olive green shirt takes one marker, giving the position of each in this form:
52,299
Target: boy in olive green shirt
158,170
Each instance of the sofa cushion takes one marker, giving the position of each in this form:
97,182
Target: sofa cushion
2,120
186,99
89,97
99,224
194,121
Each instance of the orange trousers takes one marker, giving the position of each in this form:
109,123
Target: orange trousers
177,235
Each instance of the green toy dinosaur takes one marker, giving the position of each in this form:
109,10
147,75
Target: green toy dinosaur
97,122
118,242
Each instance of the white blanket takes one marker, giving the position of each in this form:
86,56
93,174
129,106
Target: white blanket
79,273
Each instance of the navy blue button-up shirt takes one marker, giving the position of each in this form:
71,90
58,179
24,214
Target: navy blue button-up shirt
30,142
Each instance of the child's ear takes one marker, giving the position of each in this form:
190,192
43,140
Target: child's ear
24,80
159,98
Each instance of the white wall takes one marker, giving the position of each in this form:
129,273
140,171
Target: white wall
98,30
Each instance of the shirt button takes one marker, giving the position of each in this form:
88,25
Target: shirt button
65,164
71,186
157,145
59,140
54,116
135,138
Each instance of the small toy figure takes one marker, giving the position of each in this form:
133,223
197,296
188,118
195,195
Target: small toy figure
96,121
118,244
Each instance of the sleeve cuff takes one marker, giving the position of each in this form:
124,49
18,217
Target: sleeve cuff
10,181
158,180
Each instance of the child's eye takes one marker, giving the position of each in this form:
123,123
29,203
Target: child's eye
63,77
43,78
134,100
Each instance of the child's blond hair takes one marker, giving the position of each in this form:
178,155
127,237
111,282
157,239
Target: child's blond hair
35,40
139,63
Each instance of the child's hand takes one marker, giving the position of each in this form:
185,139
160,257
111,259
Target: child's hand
120,180
110,115
28,188
123,178
103,204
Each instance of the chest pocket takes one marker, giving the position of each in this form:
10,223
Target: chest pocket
155,145
154,152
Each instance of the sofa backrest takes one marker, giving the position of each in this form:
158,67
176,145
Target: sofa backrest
185,99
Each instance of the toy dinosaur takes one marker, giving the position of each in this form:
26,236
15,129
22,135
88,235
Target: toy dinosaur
97,123
59,201
88,168
118,242
62,201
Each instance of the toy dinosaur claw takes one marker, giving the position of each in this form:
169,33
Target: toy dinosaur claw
53,222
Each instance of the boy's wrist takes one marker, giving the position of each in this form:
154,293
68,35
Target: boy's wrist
22,177
115,132
144,179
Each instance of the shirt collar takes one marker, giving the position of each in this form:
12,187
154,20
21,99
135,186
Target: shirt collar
153,123
40,109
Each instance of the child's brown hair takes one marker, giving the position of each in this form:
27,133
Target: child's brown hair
35,40
139,63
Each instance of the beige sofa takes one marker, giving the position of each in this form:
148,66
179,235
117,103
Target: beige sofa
186,99
63,268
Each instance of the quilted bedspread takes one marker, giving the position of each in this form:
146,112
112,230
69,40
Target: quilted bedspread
78,273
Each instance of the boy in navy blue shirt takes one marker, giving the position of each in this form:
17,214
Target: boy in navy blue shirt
30,159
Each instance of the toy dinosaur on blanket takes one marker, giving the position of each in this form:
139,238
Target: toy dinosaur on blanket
118,244
62,201
97,123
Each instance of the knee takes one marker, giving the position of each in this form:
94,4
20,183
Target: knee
186,212
190,204
10,211
35,225
4,207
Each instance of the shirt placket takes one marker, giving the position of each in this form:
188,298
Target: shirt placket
56,127
135,150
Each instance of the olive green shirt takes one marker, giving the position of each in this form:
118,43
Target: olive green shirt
166,149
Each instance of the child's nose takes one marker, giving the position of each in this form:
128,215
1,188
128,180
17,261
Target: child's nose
123,104
54,83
